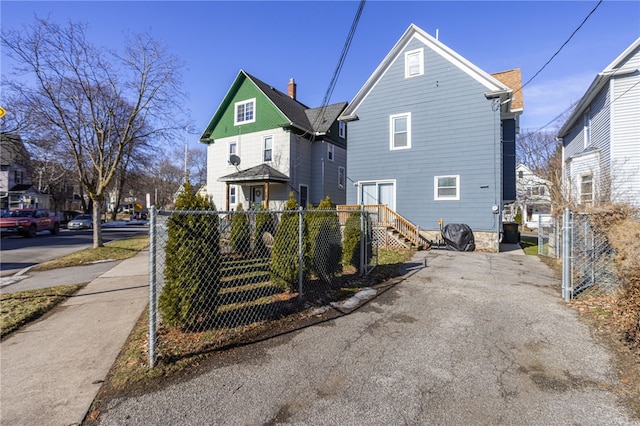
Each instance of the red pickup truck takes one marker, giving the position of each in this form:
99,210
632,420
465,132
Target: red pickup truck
27,222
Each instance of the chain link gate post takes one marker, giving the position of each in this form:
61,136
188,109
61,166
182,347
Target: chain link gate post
566,255
363,243
300,250
152,287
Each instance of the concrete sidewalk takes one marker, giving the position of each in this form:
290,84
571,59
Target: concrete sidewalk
51,370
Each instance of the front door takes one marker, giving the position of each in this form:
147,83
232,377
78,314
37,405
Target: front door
257,195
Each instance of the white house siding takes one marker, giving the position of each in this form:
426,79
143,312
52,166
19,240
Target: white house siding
584,164
454,132
250,150
625,131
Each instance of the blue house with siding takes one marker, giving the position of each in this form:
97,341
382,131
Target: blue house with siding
432,139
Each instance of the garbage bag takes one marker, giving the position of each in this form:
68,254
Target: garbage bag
458,237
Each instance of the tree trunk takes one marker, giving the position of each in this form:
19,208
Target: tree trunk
97,224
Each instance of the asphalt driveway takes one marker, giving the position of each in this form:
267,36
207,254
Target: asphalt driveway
471,338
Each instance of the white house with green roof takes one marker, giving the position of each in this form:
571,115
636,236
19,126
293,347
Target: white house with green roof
263,144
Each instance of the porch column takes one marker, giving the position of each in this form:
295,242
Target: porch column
266,194
227,195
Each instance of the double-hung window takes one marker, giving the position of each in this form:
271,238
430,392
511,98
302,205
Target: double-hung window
446,187
400,131
330,152
245,112
413,63
586,189
342,129
232,195
268,148
341,177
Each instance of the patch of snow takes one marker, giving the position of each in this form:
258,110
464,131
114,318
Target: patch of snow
355,300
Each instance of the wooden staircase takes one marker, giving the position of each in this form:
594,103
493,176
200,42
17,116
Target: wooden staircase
397,226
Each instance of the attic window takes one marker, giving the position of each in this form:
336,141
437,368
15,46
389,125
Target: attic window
245,112
413,63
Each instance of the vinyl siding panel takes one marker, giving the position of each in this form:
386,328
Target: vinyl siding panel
300,165
625,140
454,131
250,150
601,126
324,174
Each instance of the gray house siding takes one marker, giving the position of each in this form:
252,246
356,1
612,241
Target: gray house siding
300,166
325,173
454,131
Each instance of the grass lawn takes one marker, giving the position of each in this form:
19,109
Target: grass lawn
114,250
17,309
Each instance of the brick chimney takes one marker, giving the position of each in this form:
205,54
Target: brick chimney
291,89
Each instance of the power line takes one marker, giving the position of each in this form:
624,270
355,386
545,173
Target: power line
561,47
343,57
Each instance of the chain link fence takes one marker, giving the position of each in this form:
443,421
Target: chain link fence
549,242
216,276
588,260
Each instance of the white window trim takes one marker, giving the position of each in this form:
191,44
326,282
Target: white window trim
342,129
446,198
264,147
331,152
407,54
391,130
342,173
233,192
593,188
235,112
377,183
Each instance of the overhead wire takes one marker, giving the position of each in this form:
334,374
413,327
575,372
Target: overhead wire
561,47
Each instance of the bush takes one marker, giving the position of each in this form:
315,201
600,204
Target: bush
240,233
192,268
285,265
351,246
325,241
264,223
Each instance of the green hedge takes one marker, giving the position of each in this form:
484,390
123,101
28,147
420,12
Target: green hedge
192,269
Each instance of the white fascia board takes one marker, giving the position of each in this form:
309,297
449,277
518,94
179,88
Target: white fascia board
491,83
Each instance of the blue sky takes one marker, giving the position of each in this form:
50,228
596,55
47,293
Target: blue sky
279,40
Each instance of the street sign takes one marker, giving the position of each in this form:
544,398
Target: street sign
2,112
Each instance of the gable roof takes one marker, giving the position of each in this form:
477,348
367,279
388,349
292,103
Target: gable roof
615,68
260,173
299,116
495,88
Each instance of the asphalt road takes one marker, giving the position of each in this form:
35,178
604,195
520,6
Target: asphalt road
17,253
470,339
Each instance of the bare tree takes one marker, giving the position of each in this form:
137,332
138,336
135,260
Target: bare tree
542,154
197,166
97,103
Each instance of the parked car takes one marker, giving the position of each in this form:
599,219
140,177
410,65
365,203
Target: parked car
67,215
82,221
27,222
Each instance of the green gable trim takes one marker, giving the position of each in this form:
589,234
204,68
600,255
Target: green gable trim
267,116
